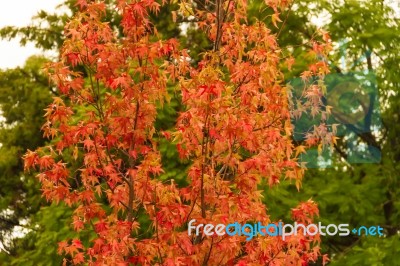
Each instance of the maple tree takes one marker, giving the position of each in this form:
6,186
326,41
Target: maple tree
235,131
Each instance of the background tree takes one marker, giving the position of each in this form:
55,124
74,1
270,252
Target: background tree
24,93
359,194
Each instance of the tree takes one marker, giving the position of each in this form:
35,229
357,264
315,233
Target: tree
28,227
338,193
235,130
24,94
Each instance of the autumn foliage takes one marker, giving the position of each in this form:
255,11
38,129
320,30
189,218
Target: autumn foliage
235,131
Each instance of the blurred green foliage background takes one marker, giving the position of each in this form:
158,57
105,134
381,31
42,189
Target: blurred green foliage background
358,194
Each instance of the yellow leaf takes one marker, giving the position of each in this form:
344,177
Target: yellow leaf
298,184
328,109
334,140
288,128
75,154
319,149
186,9
300,149
174,16
275,18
